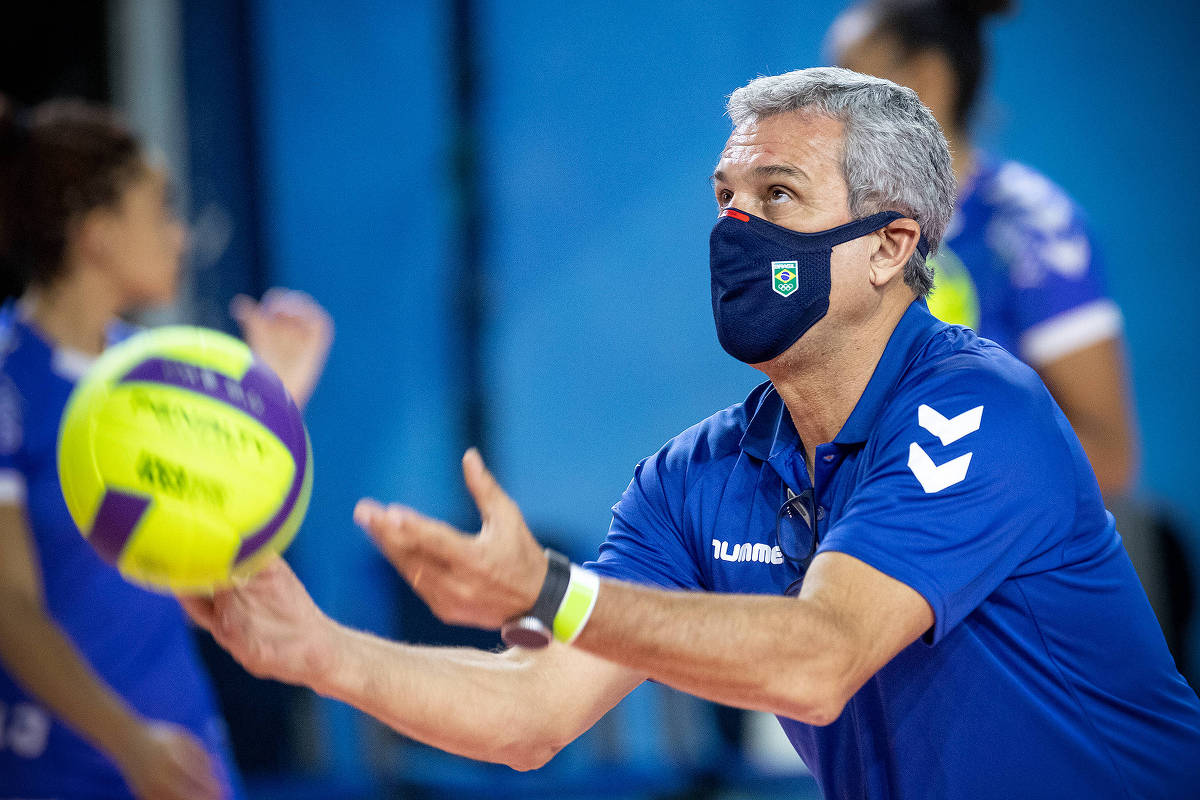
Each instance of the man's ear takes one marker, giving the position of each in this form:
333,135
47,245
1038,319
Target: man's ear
897,243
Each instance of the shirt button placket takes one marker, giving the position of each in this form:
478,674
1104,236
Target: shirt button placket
827,461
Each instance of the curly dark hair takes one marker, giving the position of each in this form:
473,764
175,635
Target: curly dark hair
58,161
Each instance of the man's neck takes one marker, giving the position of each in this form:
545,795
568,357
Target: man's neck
821,385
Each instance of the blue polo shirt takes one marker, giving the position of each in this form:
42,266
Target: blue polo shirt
1045,673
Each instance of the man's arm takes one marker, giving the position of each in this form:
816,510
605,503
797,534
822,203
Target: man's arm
518,708
158,760
802,657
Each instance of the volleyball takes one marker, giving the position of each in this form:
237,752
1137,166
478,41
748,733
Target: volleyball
183,460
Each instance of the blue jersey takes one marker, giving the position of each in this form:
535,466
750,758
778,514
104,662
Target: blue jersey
1020,266
136,641
1045,673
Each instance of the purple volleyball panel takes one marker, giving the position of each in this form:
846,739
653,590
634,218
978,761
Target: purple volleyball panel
118,515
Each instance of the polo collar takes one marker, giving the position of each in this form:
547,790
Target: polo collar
770,429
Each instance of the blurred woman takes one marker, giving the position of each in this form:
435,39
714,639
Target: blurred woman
1018,263
101,694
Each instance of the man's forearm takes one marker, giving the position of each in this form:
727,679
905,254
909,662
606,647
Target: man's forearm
775,654
469,702
517,707
48,665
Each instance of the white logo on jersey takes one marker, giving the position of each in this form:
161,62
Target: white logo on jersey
24,729
949,430
746,551
933,477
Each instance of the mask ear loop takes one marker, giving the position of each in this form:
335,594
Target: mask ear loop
922,242
786,237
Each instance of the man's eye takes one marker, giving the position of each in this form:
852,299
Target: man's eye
724,197
778,195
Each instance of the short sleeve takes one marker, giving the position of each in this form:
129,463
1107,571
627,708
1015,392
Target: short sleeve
1060,302
966,482
646,541
12,439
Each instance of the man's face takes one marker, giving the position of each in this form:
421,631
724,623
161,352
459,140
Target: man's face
787,169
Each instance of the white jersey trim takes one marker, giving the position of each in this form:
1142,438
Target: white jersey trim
70,363
1070,331
12,487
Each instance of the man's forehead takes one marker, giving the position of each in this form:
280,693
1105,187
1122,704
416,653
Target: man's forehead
796,137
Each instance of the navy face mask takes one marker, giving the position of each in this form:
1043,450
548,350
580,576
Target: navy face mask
771,284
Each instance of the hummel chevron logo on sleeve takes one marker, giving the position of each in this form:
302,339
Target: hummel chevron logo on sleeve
949,430
934,478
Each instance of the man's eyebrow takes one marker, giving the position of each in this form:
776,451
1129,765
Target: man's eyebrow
767,171
771,170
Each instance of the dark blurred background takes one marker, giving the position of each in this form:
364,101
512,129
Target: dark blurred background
505,207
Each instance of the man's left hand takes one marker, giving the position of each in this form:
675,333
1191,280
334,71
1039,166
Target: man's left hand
478,580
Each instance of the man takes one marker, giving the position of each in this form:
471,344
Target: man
901,548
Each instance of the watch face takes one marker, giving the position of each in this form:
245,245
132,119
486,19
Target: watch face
527,632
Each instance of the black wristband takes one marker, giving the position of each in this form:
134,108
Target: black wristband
534,628
558,577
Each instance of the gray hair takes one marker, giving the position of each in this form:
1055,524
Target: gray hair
894,156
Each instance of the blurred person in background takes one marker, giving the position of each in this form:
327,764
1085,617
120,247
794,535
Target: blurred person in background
101,693
1018,265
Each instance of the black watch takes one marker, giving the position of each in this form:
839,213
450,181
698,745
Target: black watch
535,628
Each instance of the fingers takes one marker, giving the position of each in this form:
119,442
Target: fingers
275,569
365,511
407,537
489,497
208,611
430,555
200,609
464,579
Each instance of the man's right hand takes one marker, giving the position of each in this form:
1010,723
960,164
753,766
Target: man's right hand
163,761
270,625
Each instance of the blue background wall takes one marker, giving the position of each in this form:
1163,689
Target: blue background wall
351,126
601,123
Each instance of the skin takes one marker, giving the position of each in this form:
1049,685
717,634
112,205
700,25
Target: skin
1091,384
803,657
121,258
